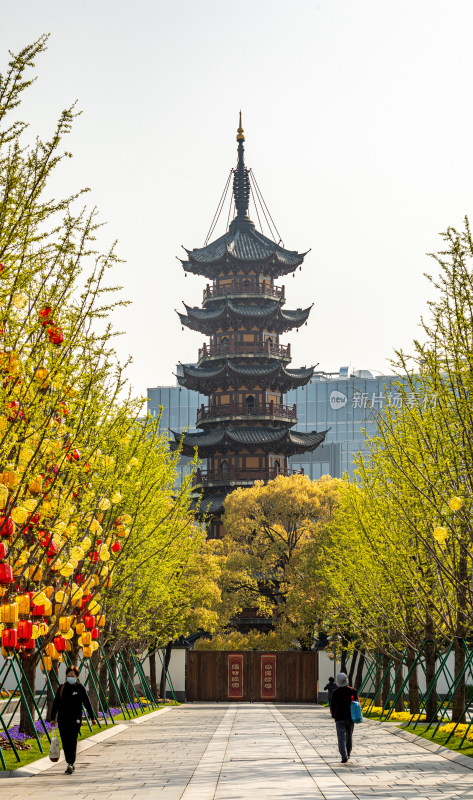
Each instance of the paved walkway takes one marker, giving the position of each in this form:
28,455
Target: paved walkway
206,751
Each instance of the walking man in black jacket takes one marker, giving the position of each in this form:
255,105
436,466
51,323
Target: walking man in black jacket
340,708
67,705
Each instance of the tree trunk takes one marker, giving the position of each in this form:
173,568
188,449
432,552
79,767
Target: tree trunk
28,685
458,702
167,659
343,656
399,666
93,692
103,678
152,675
430,653
414,696
386,680
113,699
359,672
51,692
352,666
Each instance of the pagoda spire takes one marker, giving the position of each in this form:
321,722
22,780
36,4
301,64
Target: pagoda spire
241,180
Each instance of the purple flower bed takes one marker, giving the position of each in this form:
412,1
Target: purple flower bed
21,737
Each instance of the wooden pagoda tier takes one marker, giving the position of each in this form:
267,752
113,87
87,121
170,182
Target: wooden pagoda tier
246,428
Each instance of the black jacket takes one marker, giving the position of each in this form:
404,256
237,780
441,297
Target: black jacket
330,688
341,702
70,697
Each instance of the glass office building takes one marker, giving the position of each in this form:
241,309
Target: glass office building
345,403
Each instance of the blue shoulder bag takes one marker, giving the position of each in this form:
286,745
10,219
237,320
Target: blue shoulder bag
356,712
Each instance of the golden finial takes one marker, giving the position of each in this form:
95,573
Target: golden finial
240,136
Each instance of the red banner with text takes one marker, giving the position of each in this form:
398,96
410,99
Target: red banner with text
268,677
235,676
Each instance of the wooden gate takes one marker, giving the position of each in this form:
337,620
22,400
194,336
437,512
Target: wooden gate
284,677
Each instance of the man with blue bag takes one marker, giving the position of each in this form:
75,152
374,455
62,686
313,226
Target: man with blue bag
346,711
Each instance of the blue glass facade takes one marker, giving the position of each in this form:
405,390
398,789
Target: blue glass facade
346,403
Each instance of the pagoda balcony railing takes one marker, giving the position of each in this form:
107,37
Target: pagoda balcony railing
266,348
238,288
247,410
232,475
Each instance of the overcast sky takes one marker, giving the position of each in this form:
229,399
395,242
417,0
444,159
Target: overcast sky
358,126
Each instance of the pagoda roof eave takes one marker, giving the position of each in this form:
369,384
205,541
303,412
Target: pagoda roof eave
233,438
203,319
244,244
205,379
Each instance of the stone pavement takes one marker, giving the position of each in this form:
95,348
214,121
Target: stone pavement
210,751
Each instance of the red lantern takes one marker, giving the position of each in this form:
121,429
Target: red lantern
9,637
45,316
29,644
38,611
95,557
6,574
25,629
94,633
3,550
80,578
116,547
84,601
6,527
14,411
60,643
56,335
89,621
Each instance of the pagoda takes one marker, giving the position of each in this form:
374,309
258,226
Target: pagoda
246,430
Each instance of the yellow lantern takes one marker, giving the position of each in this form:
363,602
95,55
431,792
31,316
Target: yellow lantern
94,646
10,478
9,613
49,591
85,639
80,628
64,623
67,570
50,650
35,632
48,608
60,596
76,593
68,647
42,376
68,634
35,485
30,504
3,496
77,553
87,651
43,628
23,602
46,664
104,504
19,515
35,573
40,598
86,543
100,621
455,503
440,534
116,498
5,654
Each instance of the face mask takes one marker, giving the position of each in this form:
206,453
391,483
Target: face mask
71,680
